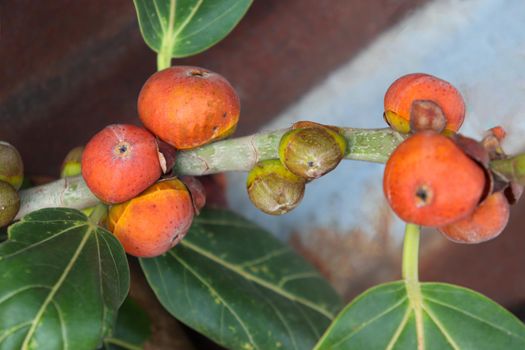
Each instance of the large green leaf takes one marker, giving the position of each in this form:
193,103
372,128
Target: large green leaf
186,27
241,287
435,316
61,280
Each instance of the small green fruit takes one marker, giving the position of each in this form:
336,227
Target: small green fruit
9,203
312,152
72,164
274,189
11,165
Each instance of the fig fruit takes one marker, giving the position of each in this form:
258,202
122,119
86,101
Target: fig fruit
274,189
155,221
311,152
120,162
188,106
417,86
430,181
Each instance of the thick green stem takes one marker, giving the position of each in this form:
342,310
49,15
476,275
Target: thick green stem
411,253
239,154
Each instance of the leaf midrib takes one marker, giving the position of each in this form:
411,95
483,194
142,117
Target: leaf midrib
257,280
169,39
55,288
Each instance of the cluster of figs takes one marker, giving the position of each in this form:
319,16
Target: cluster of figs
130,167
435,177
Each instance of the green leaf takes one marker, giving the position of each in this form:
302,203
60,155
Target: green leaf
132,329
241,287
62,280
436,316
181,28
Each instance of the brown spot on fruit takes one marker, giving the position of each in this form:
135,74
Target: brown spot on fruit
405,90
182,105
120,162
429,181
426,115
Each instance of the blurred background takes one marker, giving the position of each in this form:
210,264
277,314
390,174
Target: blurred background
68,68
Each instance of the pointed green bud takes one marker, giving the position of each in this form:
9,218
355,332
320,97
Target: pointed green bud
71,166
11,165
312,152
9,203
274,189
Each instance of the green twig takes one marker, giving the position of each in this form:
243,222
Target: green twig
238,154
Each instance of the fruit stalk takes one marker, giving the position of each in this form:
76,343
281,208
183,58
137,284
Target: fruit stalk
238,154
411,253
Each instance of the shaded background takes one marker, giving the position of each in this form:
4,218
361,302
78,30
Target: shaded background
68,68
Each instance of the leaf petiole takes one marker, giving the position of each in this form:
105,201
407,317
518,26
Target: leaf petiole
411,253
98,214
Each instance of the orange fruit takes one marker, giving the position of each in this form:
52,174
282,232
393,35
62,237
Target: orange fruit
120,162
188,106
418,86
155,221
485,223
429,181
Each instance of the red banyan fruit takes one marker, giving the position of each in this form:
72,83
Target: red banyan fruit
155,221
485,223
429,180
120,162
418,86
188,106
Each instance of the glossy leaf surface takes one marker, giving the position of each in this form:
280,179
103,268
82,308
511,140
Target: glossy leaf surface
186,27
445,317
241,287
62,280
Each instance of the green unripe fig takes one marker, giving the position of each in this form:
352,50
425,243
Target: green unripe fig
11,165
311,152
9,203
274,189
71,166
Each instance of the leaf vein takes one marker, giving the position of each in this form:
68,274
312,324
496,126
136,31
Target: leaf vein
399,329
55,288
477,318
205,283
257,280
21,250
365,324
441,328
211,22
